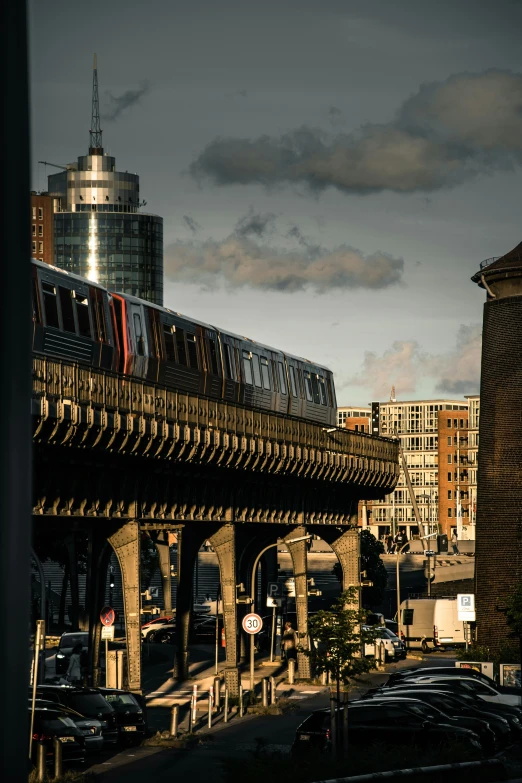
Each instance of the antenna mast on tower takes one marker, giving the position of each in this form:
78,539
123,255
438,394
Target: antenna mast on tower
95,132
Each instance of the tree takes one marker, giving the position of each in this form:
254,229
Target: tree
371,551
337,638
514,615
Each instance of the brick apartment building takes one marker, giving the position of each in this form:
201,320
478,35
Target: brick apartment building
42,227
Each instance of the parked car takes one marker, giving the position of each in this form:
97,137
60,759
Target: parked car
165,634
205,629
394,648
389,725
65,647
488,738
441,671
51,723
153,625
87,701
510,713
130,713
454,707
489,692
91,728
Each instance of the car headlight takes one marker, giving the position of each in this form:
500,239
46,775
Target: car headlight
60,655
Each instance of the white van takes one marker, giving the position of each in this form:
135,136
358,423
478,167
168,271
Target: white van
429,623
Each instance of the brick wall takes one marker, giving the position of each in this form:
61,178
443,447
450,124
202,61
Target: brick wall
499,502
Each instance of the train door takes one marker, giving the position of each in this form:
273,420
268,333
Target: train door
295,388
231,380
139,339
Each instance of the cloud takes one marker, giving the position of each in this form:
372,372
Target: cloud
255,224
442,136
119,103
191,224
456,372
336,116
238,261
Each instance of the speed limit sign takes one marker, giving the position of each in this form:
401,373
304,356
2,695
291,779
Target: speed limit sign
252,623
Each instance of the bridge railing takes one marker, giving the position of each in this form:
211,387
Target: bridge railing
69,383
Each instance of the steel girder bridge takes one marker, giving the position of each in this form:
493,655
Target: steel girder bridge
118,458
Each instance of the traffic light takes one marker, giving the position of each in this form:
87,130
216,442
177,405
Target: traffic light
111,578
312,589
376,418
242,596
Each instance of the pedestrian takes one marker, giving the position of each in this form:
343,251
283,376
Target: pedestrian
289,642
389,544
455,543
74,672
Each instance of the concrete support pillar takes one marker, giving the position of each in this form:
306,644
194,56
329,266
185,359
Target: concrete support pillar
224,544
347,547
189,542
162,545
126,545
70,544
298,552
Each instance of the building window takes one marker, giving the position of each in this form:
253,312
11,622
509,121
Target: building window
450,477
34,213
449,513
449,424
40,231
455,423
40,247
449,459
462,424
449,494
34,230
34,247
449,440
40,213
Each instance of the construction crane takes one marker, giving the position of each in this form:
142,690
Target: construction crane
416,513
55,165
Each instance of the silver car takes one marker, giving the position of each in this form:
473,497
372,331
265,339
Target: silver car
91,728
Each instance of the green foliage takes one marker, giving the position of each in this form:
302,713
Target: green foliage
337,636
476,652
514,611
508,652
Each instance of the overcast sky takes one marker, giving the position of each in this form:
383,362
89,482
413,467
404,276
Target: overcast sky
330,173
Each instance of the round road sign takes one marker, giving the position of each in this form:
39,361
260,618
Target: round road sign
107,615
252,623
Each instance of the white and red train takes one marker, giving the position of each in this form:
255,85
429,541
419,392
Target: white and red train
79,320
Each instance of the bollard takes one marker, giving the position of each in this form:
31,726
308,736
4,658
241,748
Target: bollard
210,705
174,721
58,766
324,678
273,691
241,703
264,691
345,724
41,768
217,694
194,704
225,714
291,671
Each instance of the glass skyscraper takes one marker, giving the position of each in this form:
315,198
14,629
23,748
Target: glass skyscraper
99,232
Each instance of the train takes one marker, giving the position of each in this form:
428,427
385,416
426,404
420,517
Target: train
79,320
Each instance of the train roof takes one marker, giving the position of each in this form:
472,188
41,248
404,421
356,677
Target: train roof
137,300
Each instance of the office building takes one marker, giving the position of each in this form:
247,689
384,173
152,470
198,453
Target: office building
357,419
99,232
42,227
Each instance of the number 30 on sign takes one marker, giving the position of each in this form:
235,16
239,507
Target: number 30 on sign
252,623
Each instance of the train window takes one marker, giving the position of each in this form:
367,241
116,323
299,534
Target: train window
82,314
308,386
140,343
274,375
100,307
282,379
170,344
180,344
330,393
292,380
247,366
265,373
213,356
67,309
229,359
315,388
255,366
300,384
322,391
192,350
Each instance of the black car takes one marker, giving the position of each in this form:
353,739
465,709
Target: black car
440,671
165,634
512,714
425,711
390,725
86,701
51,723
205,629
91,728
130,713
453,707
